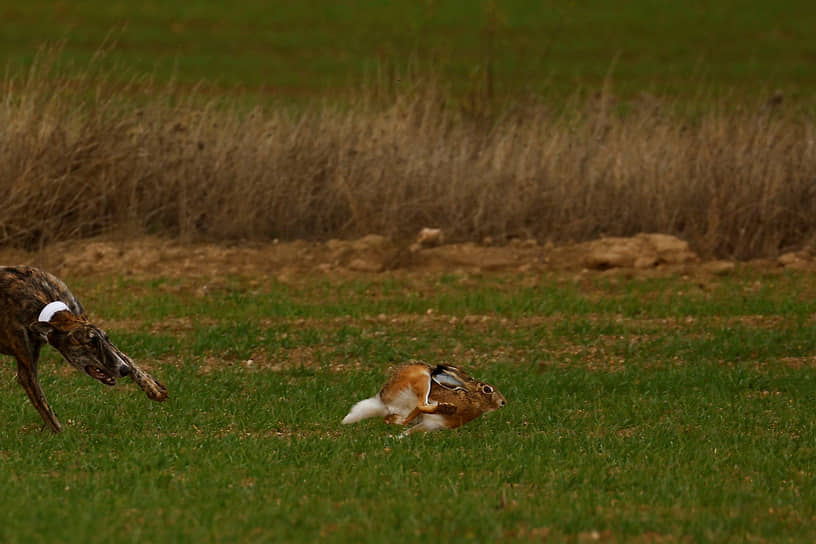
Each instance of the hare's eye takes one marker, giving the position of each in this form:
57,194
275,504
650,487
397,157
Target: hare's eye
487,389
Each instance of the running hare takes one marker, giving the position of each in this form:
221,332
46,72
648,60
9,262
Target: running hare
441,397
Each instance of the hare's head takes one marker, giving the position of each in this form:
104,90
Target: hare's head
493,399
483,396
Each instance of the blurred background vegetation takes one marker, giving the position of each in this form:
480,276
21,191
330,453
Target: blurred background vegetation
507,48
559,121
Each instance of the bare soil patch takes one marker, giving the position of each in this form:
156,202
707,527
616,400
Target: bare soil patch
150,257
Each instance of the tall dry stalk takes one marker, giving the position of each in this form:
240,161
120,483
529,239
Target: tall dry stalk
145,159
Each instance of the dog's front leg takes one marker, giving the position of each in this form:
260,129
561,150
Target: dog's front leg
27,376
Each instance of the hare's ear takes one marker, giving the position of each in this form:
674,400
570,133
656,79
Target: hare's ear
43,328
446,378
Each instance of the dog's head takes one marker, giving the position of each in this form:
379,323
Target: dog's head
84,346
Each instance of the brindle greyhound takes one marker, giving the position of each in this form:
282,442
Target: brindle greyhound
38,308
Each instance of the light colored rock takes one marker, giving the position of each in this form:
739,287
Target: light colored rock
641,251
365,265
788,259
371,242
669,249
426,238
720,268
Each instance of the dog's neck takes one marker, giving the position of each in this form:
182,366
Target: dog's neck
50,309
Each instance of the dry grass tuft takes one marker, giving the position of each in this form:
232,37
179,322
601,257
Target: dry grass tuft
138,158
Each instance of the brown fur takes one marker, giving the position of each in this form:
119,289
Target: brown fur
467,406
24,291
415,377
453,398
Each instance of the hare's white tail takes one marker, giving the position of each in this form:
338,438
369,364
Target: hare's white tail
372,407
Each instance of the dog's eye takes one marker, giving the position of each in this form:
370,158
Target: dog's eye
487,389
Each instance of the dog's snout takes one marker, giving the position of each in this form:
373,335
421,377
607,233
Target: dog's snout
119,362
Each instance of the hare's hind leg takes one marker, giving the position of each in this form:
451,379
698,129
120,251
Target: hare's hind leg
413,399
429,423
400,420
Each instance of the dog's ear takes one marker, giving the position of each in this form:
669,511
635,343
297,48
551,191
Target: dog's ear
43,328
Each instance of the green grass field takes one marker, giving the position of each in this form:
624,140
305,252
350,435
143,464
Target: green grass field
313,49
652,409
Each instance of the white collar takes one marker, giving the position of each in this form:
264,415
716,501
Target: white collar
50,309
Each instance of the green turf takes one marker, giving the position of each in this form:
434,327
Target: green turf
292,50
654,408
